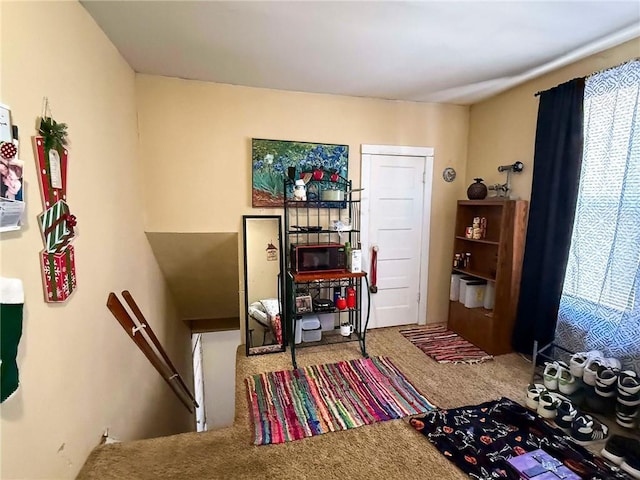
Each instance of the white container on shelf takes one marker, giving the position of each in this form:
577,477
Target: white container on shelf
454,291
474,294
312,335
490,296
463,287
311,328
327,321
298,334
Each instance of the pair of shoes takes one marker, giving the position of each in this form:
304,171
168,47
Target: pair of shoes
628,399
579,361
624,452
595,364
557,376
586,429
583,428
541,400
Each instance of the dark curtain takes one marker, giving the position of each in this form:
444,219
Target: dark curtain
556,176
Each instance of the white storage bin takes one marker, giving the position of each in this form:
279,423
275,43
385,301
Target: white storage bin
312,335
311,328
327,321
310,322
463,287
298,335
490,296
454,291
474,294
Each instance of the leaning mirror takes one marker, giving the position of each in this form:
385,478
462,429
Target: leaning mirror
263,262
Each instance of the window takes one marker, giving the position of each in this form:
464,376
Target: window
605,246
600,303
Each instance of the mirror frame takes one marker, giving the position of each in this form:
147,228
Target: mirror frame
280,282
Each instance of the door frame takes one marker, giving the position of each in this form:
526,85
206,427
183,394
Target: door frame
427,153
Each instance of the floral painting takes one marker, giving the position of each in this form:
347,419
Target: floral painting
271,159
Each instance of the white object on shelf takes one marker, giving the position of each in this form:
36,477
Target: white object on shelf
298,335
474,294
311,328
463,287
454,291
327,321
490,296
312,335
354,261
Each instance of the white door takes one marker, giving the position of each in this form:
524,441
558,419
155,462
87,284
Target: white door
395,219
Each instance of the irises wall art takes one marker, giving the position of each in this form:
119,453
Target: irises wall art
271,159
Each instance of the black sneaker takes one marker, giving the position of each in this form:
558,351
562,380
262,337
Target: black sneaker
586,429
566,413
631,463
616,448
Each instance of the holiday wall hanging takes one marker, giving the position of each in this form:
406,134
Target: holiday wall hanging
57,224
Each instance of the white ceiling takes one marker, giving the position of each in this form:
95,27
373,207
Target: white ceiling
445,51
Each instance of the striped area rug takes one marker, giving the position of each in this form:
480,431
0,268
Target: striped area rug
294,404
445,346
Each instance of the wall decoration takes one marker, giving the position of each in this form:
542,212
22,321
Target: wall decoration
12,205
11,310
5,124
59,274
57,224
449,174
272,253
272,159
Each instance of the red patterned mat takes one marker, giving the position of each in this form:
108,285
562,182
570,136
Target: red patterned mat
445,346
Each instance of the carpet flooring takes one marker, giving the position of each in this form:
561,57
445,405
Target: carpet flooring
384,450
293,404
445,346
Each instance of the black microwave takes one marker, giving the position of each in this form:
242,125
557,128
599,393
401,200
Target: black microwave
319,257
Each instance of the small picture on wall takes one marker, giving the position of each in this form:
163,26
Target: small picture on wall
5,124
270,160
11,179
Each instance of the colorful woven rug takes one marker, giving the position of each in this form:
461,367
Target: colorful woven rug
480,439
294,404
445,346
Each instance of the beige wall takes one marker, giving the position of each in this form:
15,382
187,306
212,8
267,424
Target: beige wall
502,129
196,137
201,270
79,371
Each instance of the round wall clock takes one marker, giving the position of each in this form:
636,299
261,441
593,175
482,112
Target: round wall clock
449,174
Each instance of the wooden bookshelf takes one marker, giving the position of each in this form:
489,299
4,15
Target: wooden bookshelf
496,258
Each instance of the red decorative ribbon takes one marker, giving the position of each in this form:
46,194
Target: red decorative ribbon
71,220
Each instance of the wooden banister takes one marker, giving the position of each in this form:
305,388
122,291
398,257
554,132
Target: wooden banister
161,363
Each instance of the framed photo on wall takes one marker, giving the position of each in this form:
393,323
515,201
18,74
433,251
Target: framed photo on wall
5,124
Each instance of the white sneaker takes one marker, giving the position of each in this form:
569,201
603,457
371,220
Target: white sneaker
591,370
547,406
533,395
551,375
567,383
579,361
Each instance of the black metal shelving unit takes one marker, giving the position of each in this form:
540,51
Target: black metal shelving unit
309,222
